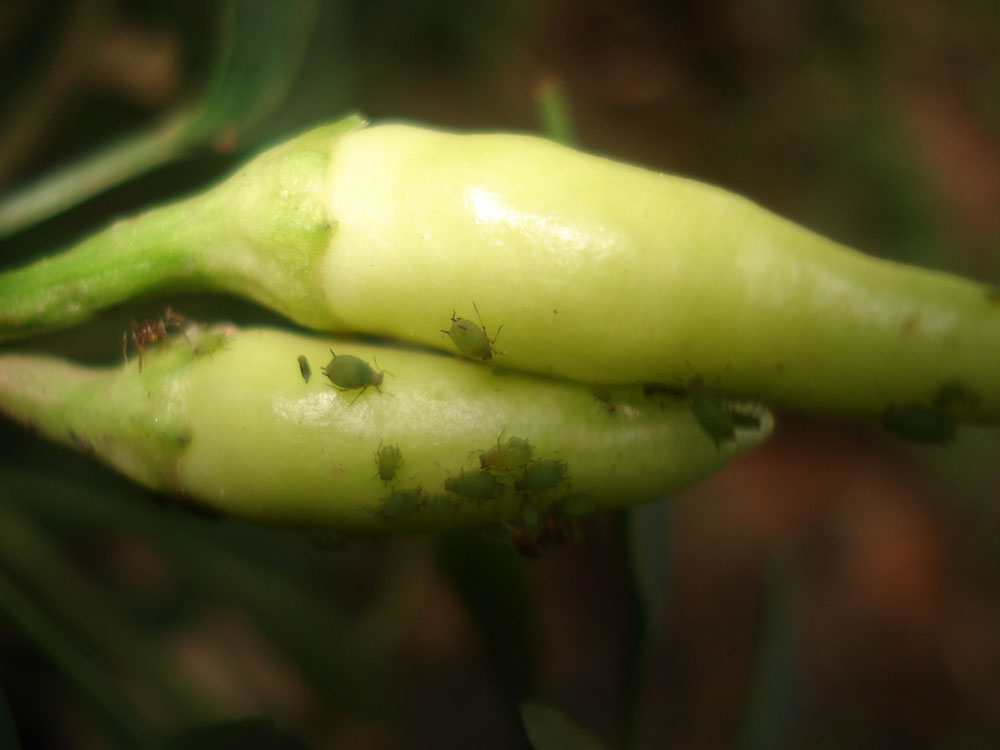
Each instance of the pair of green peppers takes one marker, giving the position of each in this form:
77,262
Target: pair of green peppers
626,300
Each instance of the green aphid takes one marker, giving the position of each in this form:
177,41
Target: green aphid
710,412
440,504
347,373
530,516
388,459
503,458
542,475
304,368
603,397
209,343
475,485
472,340
919,424
402,503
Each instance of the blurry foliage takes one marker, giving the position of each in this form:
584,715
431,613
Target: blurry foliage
833,589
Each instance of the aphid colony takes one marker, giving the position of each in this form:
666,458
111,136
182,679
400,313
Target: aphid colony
506,468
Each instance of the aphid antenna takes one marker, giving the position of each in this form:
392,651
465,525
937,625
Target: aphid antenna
375,360
483,326
697,376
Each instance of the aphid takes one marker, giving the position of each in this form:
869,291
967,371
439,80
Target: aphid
440,504
542,475
711,414
209,343
919,424
347,373
510,456
150,331
402,503
304,368
603,397
472,340
388,459
475,485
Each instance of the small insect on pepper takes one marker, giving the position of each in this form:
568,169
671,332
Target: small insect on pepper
150,331
713,417
474,485
402,503
304,368
472,340
919,424
510,456
347,373
542,475
388,459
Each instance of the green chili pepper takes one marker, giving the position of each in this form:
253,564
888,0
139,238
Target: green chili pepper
598,271
236,431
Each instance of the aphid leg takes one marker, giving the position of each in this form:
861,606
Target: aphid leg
375,360
381,371
140,347
483,326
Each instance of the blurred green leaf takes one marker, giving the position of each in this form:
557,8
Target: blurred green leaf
96,619
8,727
771,698
550,729
648,533
121,716
255,733
262,572
260,51
552,108
491,582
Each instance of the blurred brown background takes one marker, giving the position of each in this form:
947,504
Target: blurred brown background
835,588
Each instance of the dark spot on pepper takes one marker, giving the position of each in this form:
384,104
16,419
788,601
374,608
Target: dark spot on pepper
82,444
651,389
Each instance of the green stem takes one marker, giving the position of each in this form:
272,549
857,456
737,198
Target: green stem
131,257
227,239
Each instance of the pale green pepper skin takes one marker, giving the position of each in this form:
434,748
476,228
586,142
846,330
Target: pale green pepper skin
598,272
238,430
